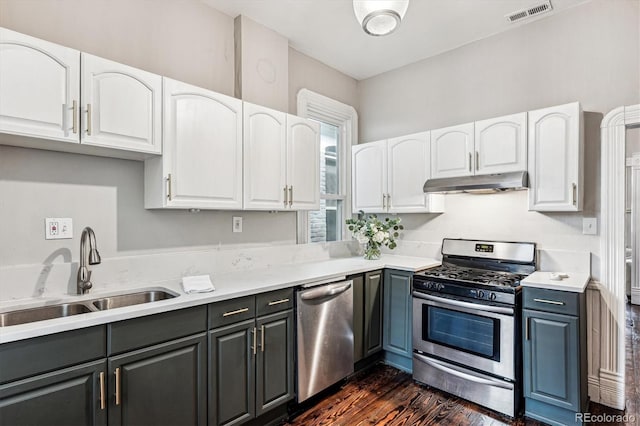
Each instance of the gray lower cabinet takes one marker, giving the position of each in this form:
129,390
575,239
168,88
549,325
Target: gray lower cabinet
55,379
397,319
232,374
367,314
554,355
70,397
251,360
157,369
160,385
372,312
274,362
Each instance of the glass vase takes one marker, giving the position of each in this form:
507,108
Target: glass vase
372,251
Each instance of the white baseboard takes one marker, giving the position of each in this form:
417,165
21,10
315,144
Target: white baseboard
612,389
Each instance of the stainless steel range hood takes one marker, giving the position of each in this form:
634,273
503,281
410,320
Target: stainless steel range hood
479,183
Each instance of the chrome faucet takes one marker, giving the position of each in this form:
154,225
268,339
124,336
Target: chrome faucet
89,255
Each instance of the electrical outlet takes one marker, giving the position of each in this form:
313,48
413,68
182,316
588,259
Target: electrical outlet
58,228
237,224
590,226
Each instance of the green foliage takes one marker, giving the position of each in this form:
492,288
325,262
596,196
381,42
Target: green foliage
374,232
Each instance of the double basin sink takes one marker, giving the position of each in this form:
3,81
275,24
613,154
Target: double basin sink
61,310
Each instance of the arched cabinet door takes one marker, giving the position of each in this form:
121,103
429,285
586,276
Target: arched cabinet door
369,177
408,169
556,155
265,156
501,144
452,151
121,106
39,85
303,163
201,166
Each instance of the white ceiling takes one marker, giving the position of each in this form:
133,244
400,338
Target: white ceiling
328,31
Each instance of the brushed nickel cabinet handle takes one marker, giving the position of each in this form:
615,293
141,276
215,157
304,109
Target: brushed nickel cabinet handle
574,189
89,125
74,107
549,302
285,196
169,186
117,386
526,329
255,340
290,195
477,160
384,199
102,403
262,338
236,312
470,162
388,202
277,302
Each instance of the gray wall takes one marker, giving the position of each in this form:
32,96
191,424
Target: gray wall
589,53
182,39
308,73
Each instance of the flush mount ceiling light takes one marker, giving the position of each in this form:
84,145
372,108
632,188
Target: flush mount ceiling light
380,17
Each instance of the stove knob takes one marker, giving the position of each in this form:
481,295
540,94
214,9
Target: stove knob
440,286
492,296
480,294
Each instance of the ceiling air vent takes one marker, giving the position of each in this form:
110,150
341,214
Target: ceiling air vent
538,9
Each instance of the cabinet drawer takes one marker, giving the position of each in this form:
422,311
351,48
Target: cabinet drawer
41,354
145,331
561,302
230,311
274,301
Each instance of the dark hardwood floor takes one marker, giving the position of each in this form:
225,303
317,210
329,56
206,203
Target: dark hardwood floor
386,396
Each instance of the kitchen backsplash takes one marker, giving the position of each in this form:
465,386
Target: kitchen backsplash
55,279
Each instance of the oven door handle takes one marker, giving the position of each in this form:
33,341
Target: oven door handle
437,365
468,305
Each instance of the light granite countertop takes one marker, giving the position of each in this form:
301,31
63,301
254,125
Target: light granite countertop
575,282
227,286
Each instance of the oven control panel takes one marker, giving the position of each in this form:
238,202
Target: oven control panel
461,290
484,248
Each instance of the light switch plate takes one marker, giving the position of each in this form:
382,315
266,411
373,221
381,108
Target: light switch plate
590,226
56,228
237,224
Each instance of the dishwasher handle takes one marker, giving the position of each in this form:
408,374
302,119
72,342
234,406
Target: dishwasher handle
325,291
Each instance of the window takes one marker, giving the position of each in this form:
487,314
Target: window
338,128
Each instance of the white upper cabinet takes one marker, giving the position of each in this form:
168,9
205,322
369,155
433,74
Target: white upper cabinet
388,176
496,145
265,154
556,154
303,163
501,144
39,87
408,168
121,105
281,160
369,177
201,166
452,151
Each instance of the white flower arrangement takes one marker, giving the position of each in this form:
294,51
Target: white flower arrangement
375,233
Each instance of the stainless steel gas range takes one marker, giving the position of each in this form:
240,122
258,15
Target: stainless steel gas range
466,322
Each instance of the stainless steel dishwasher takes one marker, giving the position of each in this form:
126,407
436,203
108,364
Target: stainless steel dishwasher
325,336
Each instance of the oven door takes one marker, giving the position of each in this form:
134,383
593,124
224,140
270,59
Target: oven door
471,334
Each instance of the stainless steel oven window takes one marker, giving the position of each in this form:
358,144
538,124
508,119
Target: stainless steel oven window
471,333
505,367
